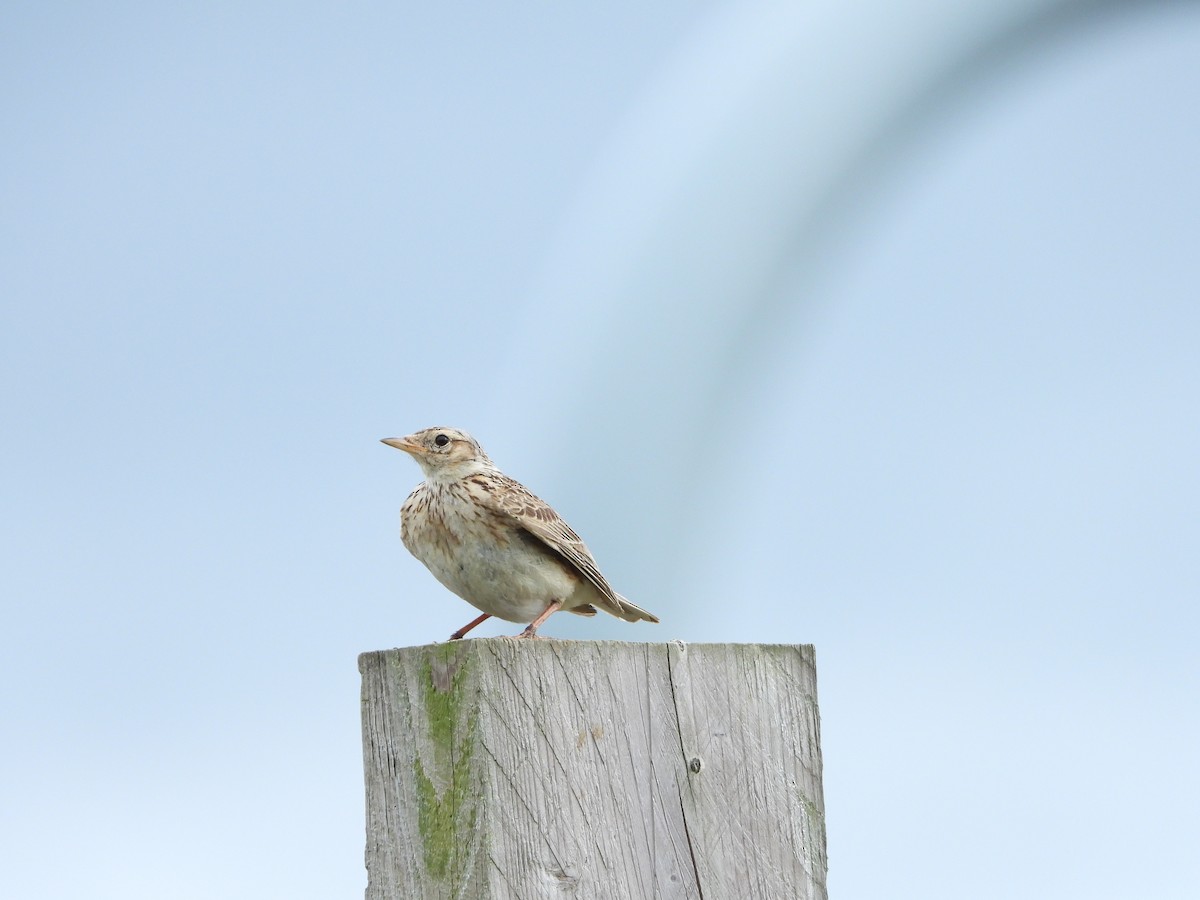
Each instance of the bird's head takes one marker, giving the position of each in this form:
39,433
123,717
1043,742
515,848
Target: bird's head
443,452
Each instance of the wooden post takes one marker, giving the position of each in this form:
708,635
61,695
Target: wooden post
501,768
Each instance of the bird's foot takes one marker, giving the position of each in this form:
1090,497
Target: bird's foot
530,631
462,632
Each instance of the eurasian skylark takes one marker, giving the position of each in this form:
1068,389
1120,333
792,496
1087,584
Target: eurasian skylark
491,541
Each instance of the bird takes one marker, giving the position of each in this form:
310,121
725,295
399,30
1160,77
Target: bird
491,541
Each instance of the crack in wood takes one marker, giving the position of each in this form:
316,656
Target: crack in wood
687,830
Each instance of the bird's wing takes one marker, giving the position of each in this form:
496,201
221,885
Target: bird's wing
511,499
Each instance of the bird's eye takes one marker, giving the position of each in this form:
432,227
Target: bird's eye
441,440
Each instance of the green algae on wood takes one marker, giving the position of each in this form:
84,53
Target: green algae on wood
445,801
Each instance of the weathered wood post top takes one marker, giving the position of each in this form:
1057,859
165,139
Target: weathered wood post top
502,768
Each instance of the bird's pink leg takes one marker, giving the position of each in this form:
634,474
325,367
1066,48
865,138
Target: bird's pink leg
462,632
531,629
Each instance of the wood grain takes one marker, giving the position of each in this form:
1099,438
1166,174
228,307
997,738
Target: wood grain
501,768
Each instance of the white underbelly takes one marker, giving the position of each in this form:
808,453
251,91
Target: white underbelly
514,580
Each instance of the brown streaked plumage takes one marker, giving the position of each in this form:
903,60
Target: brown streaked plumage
488,539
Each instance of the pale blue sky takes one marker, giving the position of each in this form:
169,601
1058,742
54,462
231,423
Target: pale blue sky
954,444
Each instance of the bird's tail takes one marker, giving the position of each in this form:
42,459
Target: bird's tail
631,612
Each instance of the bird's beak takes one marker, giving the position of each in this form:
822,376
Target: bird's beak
404,444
